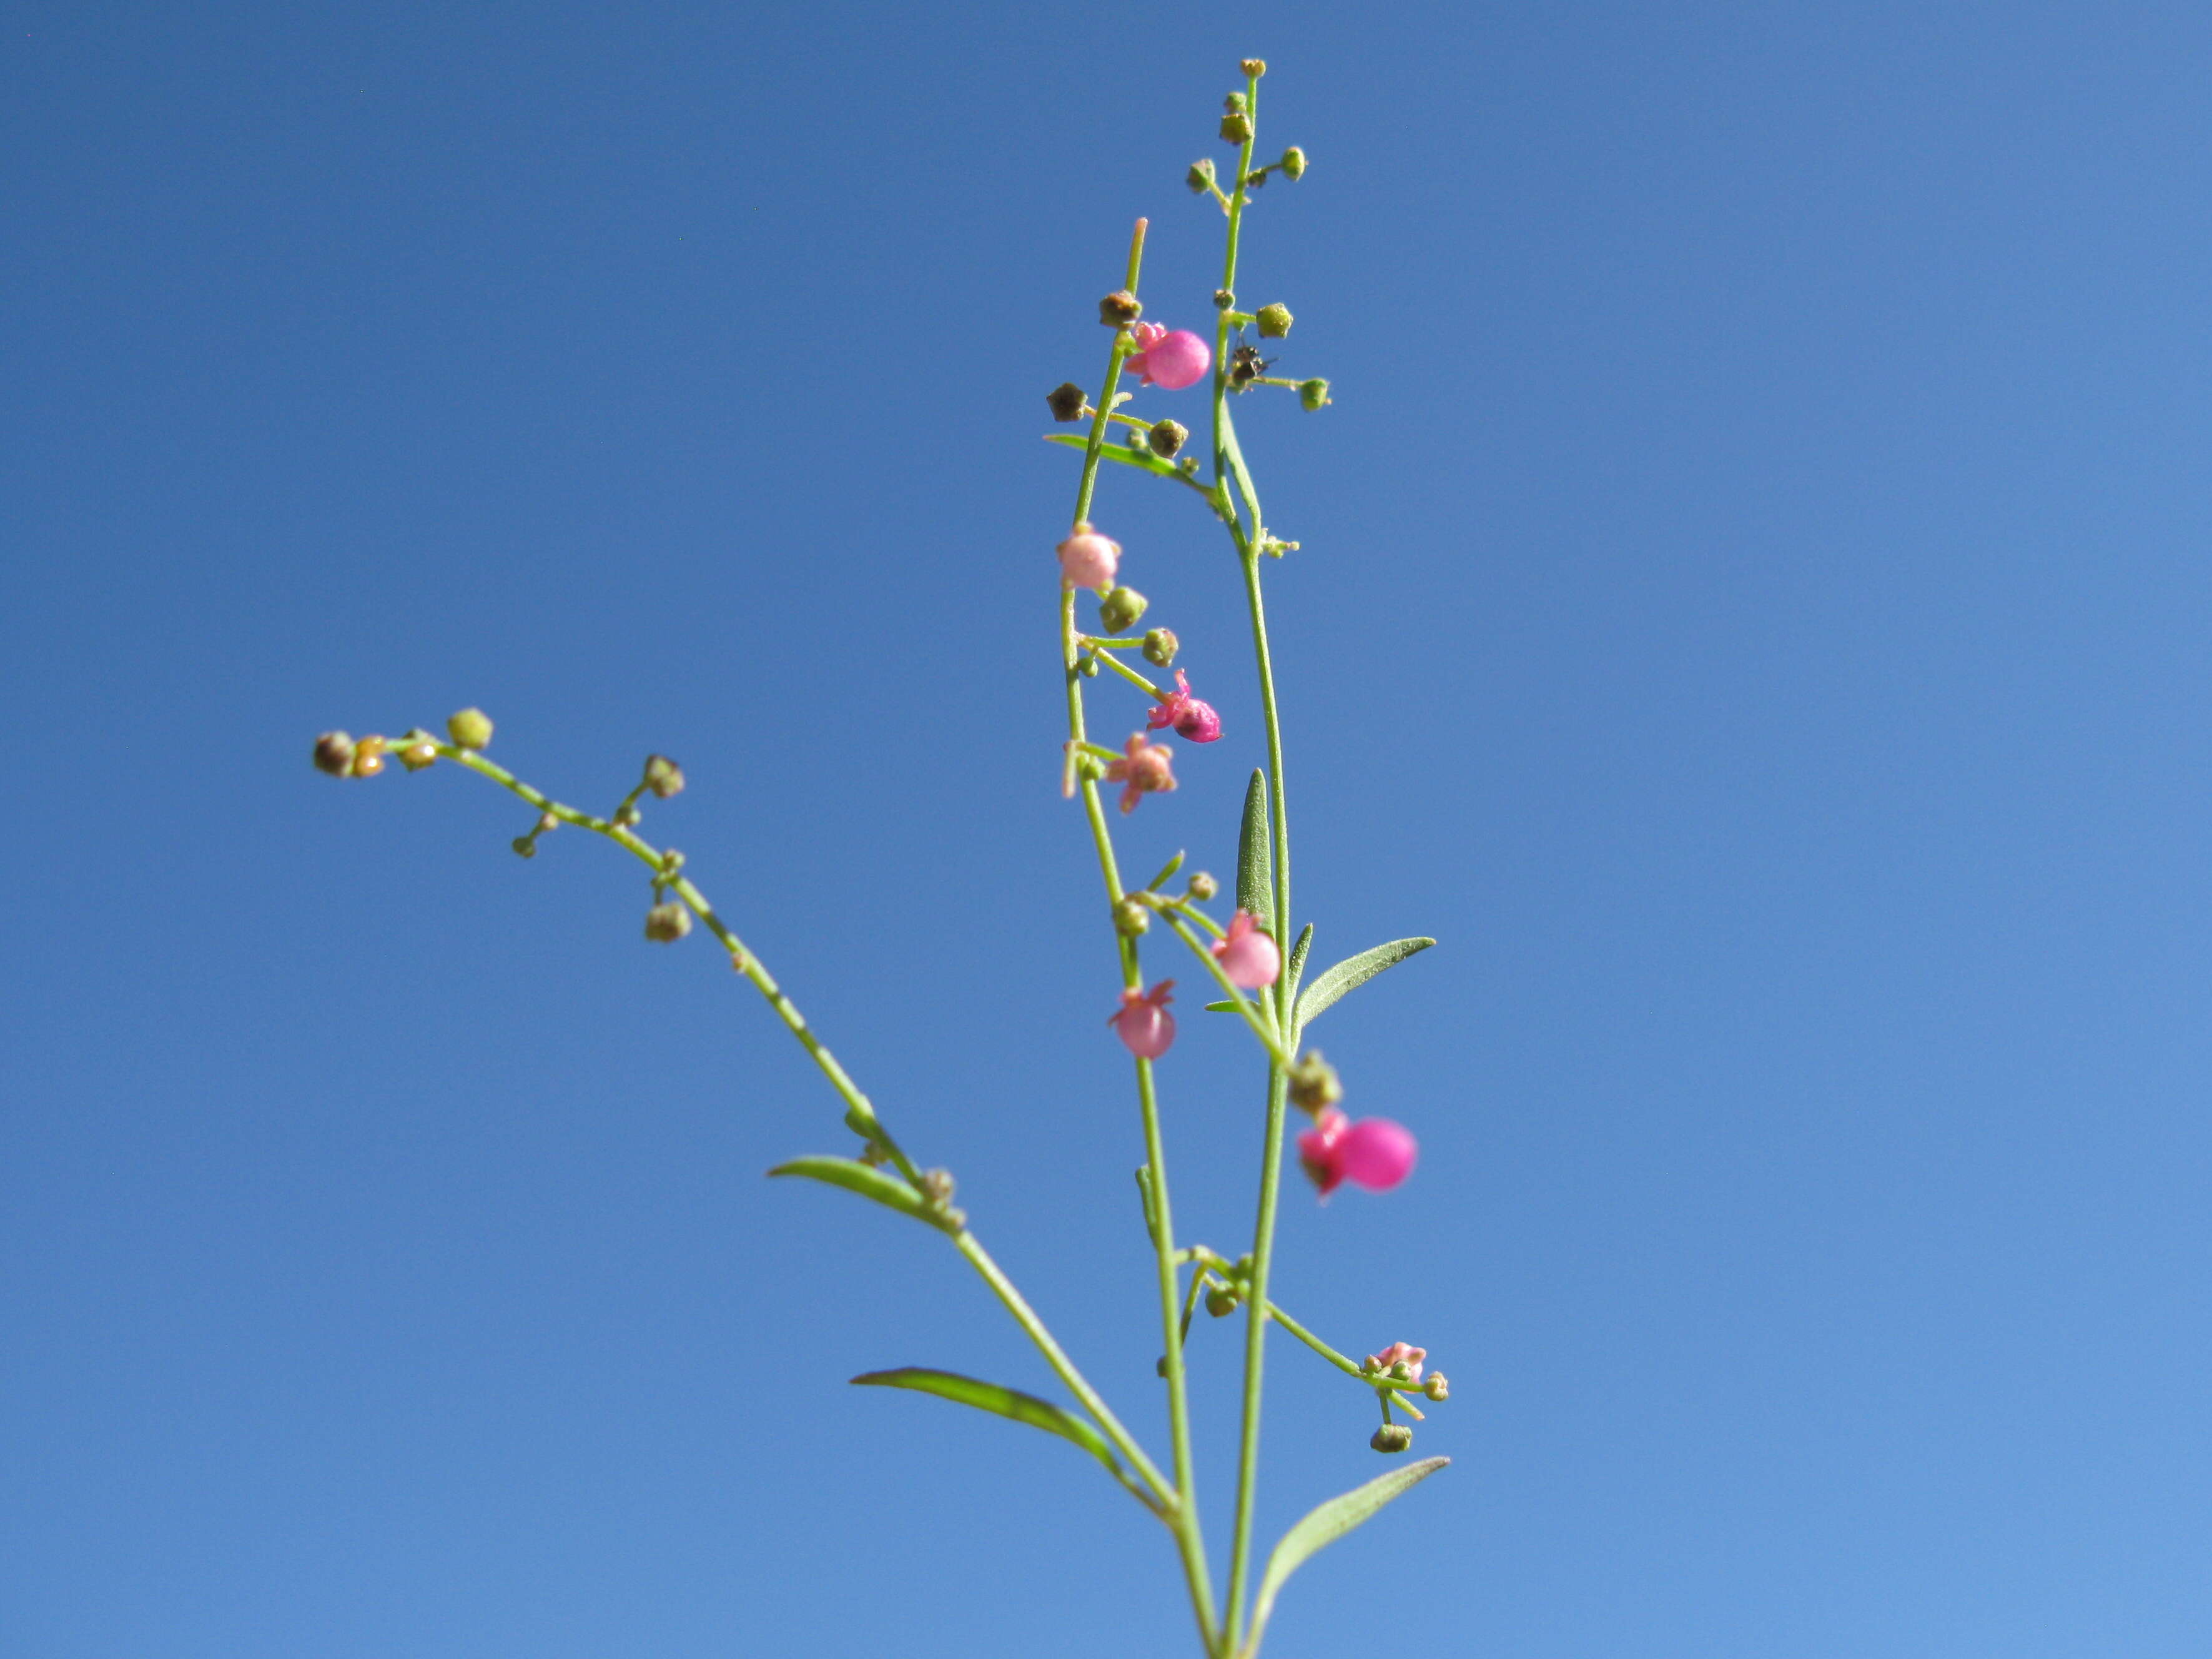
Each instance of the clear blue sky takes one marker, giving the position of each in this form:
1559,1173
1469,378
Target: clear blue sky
1753,611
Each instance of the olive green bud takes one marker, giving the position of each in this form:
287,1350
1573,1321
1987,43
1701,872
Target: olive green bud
1435,1387
334,754
1203,886
1221,1301
1166,437
1223,298
470,729
663,776
1315,1086
1089,766
1160,646
368,756
1401,1371
1314,394
1119,610
1236,127
525,846
1274,321
1255,67
1392,1438
1236,104
667,922
1201,176
1065,401
1160,1366
1087,666
1293,164
1131,918
1118,307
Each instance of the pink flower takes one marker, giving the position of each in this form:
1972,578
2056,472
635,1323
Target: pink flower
1374,1152
1143,1023
1145,769
1247,955
1174,361
1192,719
1398,1353
1087,559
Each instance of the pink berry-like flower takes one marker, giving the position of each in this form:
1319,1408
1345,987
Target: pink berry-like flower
1173,361
1247,955
1143,1023
1145,769
1191,718
1396,1353
1374,1152
1087,559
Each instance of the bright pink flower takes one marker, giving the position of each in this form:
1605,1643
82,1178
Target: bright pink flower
1396,1352
1145,769
1191,718
1087,559
1143,1023
1374,1152
1174,361
1247,955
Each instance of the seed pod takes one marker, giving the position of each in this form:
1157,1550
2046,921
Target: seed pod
1274,321
1119,610
1166,437
1392,1438
1132,919
1293,164
1314,394
667,922
1118,307
1236,127
1065,401
1160,646
470,729
1201,176
334,754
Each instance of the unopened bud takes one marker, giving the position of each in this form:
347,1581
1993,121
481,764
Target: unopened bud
1435,1387
1201,176
663,776
1314,394
1166,437
417,750
1087,666
1118,307
1236,127
667,922
1160,646
525,846
1401,1371
1065,401
1120,609
1255,67
1392,1438
1203,886
470,729
334,754
937,1187
1274,321
1236,104
1131,918
367,761
1315,1086
1221,1301
1293,164
1223,298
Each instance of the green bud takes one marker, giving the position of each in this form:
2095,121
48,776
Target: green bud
663,776
1119,610
1236,104
1160,646
1131,918
1293,164
1402,1371
1201,176
1118,307
1392,1438
1274,321
1314,394
1221,1301
334,754
470,729
667,922
1087,666
1255,67
1435,1387
1223,299
1315,1086
1203,886
525,846
1166,437
1236,127
1065,401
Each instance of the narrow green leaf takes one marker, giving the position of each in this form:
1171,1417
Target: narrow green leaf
1298,968
1002,1402
869,1182
1326,1524
1220,1007
1166,874
1235,457
1145,1197
1352,972
1129,455
1255,859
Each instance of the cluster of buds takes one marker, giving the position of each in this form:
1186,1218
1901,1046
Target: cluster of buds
343,756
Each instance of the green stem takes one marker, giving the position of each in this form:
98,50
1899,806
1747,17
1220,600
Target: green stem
1135,679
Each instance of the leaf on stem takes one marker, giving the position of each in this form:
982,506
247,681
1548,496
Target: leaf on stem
1235,459
1255,862
1298,968
1352,972
1004,1402
1141,459
1326,1524
1166,874
869,1182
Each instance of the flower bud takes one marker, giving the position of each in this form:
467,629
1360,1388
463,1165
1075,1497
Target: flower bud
1274,321
1131,918
525,846
368,757
1087,665
1203,886
1166,437
1314,394
1118,307
1065,401
1160,646
417,750
470,729
334,754
937,1187
1392,1438
1236,127
1315,1086
1120,609
1293,164
1236,104
1255,67
667,922
1402,1372
1435,1387
1088,559
663,776
1223,299
1221,1301
1201,176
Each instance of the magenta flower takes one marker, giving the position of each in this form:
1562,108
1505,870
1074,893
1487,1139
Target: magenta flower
1143,1023
1374,1152
1396,1352
1174,361
1191,718
1145,769
1247,955
1087,559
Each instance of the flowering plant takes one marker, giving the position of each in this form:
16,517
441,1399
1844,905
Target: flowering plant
1265,987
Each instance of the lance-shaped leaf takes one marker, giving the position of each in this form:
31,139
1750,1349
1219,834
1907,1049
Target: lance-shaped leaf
1255,861
1296,970
1129,455
1351,972
1326,1525
1008,1403
1233,458
869,1182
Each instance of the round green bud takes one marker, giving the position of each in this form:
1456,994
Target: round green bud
1087,666
1236,127
334,754
1274,321
1131,918
1221,1301
1201,176
1435,1387
470,729
1293,164
1118,307
1314,394
1160,646
1392,1438
1402,1371
1203,886
663,776
1166,437
525,846
667,922
1236,104
1065,401
1255,67
1315,1086
1119,610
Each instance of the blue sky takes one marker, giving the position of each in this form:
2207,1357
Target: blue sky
1752,610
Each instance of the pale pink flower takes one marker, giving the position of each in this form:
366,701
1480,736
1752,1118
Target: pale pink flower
1247,955
1145,769
1173,361
1191,718
1143,1023
1396,1353
1374,1152
1088,559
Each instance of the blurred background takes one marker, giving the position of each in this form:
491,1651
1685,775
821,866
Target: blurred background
1753,609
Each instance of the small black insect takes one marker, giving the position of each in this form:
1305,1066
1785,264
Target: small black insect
1246,365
